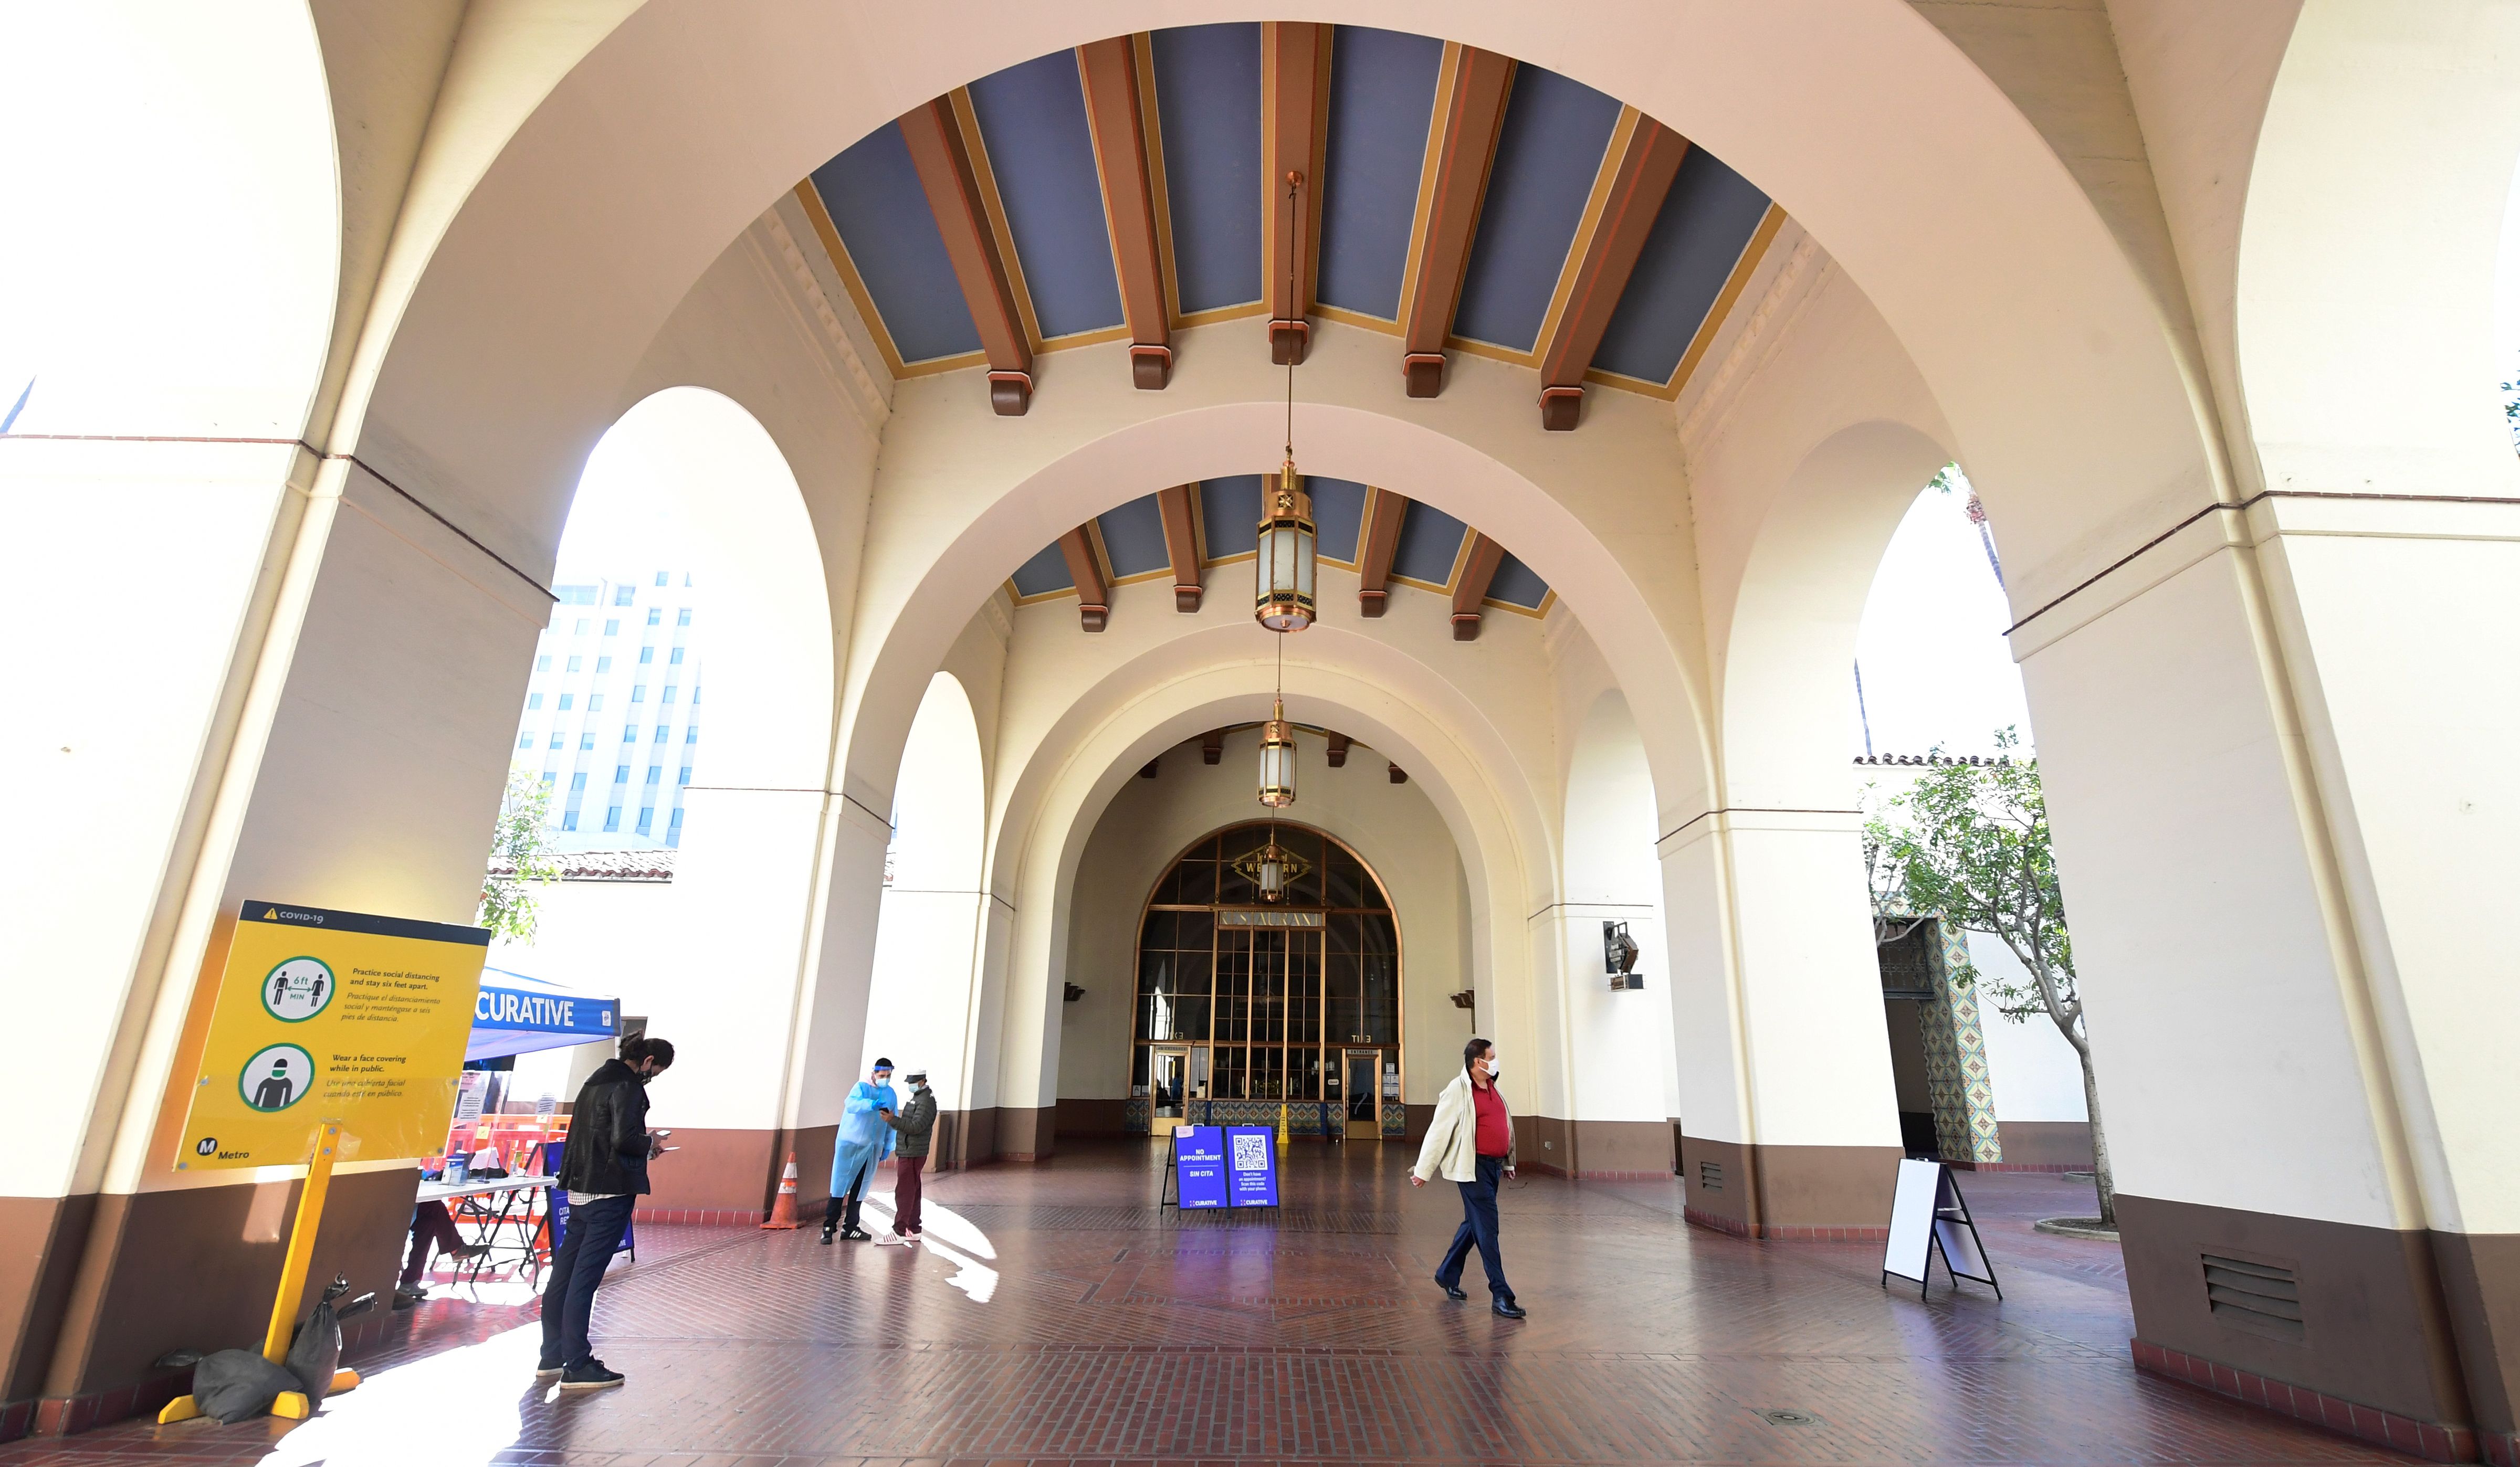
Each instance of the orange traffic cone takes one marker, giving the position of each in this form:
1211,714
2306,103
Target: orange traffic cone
783,1213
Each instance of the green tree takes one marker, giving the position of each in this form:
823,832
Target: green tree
520,858
1974,849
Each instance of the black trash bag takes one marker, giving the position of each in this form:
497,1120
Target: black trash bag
316,1352
238,1385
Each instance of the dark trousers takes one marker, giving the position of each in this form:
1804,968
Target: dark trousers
907,1188
591,1236
841,1212
429,1226
1478,1225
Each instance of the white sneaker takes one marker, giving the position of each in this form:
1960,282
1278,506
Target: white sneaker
882,1238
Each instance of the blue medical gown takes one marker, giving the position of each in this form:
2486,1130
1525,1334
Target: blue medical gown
865,1138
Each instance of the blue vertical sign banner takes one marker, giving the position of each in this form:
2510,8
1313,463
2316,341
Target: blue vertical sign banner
1198,1162
1253,1164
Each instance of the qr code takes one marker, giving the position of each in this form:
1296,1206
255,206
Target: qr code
1250,1153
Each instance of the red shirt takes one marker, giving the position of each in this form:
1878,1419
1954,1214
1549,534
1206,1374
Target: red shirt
1495,1129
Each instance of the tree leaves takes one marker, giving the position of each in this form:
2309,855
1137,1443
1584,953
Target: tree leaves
521,842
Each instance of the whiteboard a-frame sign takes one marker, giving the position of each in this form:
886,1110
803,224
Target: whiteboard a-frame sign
1927,1217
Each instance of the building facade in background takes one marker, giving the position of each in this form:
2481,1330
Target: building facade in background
612,712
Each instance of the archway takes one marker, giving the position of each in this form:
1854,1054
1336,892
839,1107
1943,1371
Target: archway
1246,1002
921,1003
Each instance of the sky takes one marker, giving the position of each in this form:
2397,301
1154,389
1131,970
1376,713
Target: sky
628,515
1936,668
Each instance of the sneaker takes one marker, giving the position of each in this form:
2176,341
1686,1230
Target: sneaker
827,1237
891,1239
856,1235
468,1251
911,1239
590,1376
407,1295
545,1372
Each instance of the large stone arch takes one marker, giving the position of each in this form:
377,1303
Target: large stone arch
1602,521
1209,679
600,213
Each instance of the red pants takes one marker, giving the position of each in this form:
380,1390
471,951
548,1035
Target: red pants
429,1224
905,1192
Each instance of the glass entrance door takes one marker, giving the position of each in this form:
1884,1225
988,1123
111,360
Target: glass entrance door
1168,1087
1362,1075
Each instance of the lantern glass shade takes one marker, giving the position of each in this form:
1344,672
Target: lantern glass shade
1283,571
1278,760
1273,869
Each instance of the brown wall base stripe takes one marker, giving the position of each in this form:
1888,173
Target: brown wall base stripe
2423,1439
2370,1322
1807,1192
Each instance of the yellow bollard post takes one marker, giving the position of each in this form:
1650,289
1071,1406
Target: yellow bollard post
301,1244
292,1404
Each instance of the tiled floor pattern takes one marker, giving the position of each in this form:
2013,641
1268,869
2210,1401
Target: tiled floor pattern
1063,1318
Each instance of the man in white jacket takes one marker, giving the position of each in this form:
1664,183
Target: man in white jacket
1470,1141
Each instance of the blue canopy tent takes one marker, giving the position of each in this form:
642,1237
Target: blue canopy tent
517,1014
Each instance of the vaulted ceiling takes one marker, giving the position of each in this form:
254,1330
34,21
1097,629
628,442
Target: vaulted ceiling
1454,199
1387,539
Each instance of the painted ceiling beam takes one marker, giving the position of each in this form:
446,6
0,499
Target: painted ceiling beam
1295,100
945,174
1637,187
1380,537
1115,111
1470,589
1093,591
1181,546
1458,181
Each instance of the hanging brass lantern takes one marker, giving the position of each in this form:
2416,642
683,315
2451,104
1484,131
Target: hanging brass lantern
1284,573
1273,869
1278,760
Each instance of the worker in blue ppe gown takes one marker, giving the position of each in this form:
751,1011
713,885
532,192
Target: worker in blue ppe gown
863,1141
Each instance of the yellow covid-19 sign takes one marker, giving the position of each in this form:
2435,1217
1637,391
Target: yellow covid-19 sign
332,1016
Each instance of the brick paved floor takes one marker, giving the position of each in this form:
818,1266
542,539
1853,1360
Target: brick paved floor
1063,1318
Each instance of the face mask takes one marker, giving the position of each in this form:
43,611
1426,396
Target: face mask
1496,1067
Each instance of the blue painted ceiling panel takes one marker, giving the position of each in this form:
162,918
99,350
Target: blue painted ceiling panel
1133,537
1382,101
1430,541
1338,516
1229,514
1043,573
1707,219
1032,120
1207,101
1548,154
1515,584
874,197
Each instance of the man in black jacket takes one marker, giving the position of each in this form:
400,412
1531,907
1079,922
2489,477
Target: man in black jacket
604,1168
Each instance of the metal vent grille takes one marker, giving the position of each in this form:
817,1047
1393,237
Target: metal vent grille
2261,1298
1710,1176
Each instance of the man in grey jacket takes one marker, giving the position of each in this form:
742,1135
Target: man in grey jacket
913,1126
1471,1140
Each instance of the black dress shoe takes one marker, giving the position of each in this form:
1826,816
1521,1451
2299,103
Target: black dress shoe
1508,1308
1450,1290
